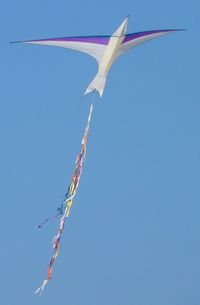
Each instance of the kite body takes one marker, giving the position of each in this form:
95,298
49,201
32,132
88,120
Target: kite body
109,55
105,49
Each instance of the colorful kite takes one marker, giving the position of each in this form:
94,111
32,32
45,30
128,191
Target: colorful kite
105,49
71,192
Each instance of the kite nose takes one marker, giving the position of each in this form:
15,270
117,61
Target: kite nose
122,28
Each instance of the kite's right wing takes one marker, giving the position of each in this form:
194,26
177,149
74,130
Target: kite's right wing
91,45
132,40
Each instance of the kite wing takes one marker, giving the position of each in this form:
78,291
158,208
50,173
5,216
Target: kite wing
91,45
134,39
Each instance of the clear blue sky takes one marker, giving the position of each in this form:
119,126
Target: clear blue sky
133,235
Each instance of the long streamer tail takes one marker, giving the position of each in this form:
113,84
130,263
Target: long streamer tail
68,203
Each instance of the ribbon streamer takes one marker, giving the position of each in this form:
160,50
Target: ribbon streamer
68,201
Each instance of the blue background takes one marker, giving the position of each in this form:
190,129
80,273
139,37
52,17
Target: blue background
133,234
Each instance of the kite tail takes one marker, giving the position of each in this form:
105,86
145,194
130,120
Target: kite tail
41,288
60,212
50,218
68,201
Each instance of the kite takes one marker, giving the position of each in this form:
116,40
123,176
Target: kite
68,201
105,48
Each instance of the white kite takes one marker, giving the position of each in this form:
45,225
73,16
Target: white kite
105,49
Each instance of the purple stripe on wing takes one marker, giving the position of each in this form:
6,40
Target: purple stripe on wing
86,39
137,35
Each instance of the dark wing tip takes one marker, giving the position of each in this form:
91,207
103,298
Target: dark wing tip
180,30
20,41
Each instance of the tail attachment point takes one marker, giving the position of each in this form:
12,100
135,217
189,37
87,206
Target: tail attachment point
97,85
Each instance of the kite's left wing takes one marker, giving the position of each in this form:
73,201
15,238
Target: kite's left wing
91,45
134,39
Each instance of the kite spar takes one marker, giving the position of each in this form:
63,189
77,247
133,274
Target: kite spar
68,201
